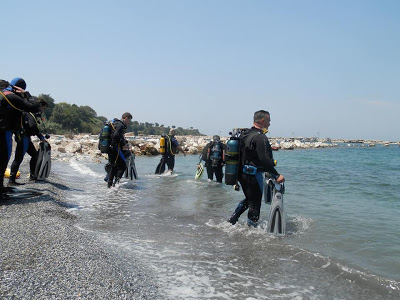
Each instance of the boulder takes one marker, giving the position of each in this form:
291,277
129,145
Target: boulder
74,147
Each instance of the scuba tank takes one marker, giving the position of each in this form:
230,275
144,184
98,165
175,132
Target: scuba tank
232,157
162,144
105,138
216,154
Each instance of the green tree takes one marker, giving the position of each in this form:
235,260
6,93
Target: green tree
50,105
67,116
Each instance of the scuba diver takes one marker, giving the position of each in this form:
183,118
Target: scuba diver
214,156
126,151
116,157
255,159
24,143
168,155
13,101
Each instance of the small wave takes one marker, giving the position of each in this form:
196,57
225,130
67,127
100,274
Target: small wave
299,224
82,169
241,228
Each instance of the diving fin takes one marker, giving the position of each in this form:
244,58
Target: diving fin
43,165
14,193
131,168
277,218
160,167
200,171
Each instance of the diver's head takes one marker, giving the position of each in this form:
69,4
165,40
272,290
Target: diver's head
19,82
172,131
262,120
43,103
216,138
127,118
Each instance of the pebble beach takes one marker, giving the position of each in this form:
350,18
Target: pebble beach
43,255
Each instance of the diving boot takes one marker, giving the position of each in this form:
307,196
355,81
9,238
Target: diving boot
251,223
116,181
241,208
13,182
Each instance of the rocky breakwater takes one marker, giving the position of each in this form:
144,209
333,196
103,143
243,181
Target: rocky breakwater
290,144
150,145
64,147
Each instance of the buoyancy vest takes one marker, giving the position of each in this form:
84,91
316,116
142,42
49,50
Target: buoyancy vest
215,154
5,105
170,146
246,146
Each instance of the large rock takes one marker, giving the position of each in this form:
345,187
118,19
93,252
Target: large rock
74,147
192,150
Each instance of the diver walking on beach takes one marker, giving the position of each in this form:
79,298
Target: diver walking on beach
171,148
116,157
13,101
256,158
214,155
25,145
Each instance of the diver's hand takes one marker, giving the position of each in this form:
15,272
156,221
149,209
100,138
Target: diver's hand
18,89
280,179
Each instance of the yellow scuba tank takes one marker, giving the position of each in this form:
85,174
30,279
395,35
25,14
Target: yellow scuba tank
162,144
8,171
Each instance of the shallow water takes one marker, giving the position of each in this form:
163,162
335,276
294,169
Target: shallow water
342,208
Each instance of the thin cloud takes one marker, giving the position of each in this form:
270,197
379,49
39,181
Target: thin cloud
379,103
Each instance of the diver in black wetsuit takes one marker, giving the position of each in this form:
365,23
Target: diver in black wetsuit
214,155
116,156
13,100
25,145
256,158
171,148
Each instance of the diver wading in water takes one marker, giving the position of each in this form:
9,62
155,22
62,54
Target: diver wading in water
112,141
254,159
214,156
169,146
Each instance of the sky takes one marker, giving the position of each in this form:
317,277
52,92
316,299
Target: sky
321,68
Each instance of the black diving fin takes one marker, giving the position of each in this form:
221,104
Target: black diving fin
160,167
43,165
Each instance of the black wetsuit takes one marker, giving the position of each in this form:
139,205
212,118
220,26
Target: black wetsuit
171,149
25,145
116,156
10,121
256,151
214,160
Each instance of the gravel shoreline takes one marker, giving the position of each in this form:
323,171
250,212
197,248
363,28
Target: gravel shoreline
44,256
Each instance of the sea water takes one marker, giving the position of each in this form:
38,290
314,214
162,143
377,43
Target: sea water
342,242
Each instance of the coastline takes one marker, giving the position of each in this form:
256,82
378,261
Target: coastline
63,147
44,255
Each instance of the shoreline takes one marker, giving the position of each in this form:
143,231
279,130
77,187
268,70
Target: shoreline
43,254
